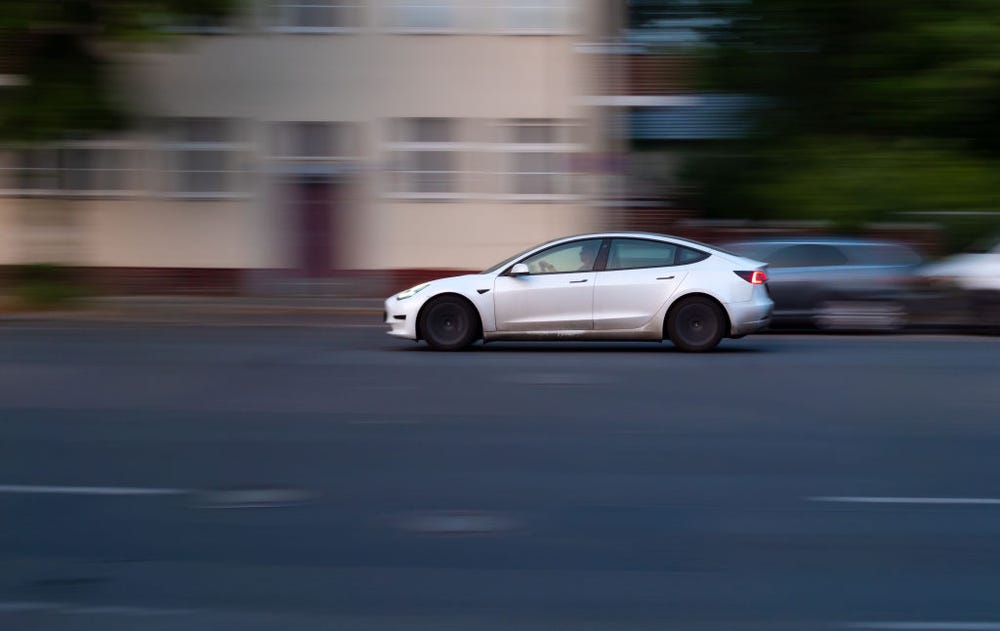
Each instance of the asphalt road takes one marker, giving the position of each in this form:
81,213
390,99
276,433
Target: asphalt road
326,476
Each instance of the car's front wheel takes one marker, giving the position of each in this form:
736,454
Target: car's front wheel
448,323
696,324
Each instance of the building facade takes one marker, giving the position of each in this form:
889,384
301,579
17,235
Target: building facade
306,139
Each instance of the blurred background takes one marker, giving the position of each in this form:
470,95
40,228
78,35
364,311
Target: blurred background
203,204
350,148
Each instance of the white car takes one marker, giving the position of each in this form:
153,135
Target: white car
609,286
966,287
977,270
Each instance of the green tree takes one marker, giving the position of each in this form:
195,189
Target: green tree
56,55
868,109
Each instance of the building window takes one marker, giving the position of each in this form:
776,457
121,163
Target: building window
203,158
314,140
202,21
78,169
433,16
424,158
537,155
314,16
534,16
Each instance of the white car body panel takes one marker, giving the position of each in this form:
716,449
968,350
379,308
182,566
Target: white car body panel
603,304
544,302
630,298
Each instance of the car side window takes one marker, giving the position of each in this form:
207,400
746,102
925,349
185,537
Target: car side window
686,256
884,254
807,255
576,256
639,253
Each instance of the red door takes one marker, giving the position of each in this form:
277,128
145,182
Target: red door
314,199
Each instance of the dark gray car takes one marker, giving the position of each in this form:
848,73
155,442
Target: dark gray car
836,283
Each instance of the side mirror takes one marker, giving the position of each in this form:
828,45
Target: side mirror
519,270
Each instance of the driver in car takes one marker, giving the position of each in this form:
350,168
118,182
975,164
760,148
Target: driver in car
588,254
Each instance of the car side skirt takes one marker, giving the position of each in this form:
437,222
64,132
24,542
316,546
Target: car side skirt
587,334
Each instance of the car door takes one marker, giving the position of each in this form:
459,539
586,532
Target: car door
557,294
639,277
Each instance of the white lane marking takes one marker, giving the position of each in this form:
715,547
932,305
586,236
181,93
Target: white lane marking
459,522
72,608
926,626
254,498
15,607
88,490
848,499
557,379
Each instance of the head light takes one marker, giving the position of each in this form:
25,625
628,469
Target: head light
412,291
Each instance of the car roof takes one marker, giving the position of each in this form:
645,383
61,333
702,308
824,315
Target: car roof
816,241
633,234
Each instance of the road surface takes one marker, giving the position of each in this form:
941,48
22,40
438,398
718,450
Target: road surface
321,475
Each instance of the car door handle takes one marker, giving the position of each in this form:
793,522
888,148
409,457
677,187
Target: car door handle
664,278
582,280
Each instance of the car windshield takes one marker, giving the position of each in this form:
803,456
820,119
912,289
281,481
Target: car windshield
504,263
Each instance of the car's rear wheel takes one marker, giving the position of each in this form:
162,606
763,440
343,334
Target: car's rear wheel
448,323
696,324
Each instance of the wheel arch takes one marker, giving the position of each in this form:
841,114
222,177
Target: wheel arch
699,294
448,294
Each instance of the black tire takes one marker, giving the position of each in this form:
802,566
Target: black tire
448,323
696,324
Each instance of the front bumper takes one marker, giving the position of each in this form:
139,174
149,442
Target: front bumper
401,317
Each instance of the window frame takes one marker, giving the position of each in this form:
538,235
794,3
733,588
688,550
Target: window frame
133,179
238,184
392,13
599,260
508,150
458,150
677,248
273,17
564,10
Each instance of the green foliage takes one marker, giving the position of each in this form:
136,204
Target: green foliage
874,107
852,181
57,49
46,286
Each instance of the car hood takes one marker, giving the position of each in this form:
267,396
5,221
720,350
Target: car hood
461,282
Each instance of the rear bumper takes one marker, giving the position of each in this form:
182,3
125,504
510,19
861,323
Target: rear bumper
750,317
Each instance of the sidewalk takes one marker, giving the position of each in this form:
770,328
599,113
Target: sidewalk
194,307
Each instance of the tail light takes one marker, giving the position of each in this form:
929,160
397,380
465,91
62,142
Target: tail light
754,277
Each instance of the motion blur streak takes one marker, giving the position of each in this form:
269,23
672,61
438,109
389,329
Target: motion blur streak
599,486
205,204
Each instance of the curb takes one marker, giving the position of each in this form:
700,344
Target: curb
167,315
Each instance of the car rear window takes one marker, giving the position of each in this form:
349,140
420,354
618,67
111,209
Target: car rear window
884,254
638,253
690,255
807,255
642,253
